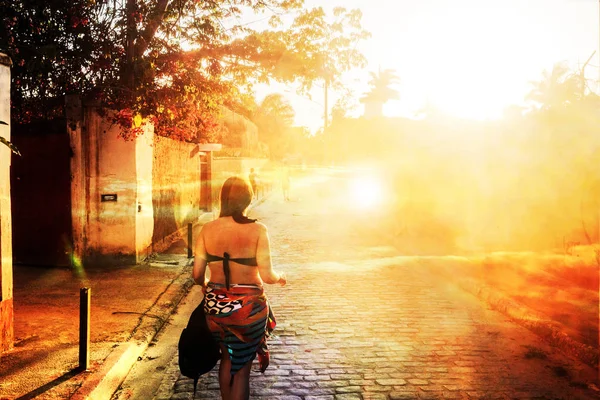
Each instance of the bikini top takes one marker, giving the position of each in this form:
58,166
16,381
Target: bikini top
251,262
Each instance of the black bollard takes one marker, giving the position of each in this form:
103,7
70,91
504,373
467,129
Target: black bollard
84,328
190,234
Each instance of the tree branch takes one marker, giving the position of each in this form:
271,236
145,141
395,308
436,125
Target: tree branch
154,23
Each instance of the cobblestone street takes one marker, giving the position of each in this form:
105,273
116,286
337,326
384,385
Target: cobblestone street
358,320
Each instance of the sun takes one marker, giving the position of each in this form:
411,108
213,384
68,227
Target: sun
366,191
462,59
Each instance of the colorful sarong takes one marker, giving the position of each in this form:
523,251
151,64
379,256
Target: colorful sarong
240,318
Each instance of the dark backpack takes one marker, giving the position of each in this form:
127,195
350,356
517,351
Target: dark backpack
198,350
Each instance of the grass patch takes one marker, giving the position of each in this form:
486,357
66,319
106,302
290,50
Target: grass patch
555,286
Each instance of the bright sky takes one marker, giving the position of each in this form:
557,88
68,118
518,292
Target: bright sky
471,58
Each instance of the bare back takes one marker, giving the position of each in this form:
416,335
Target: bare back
239,241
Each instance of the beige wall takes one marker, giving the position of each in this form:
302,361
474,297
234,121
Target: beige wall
156,180
176,188
107,232
144,217
6,282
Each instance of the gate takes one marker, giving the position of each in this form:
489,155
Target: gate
41,194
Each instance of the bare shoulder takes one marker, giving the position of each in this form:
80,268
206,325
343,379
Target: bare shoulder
262,228
207,227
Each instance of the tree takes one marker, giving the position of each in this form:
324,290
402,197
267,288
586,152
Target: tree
381,91
51,45
176,61
557,88
344,105
274,117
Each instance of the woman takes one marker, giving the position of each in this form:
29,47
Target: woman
236,250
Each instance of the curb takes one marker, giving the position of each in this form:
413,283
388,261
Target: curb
111,373
535,322
105,381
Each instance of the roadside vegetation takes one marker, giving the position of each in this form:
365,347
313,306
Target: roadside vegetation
512,204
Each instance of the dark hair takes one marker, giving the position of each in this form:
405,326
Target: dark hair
236,195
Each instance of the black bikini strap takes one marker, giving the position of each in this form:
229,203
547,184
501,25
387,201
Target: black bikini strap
226,268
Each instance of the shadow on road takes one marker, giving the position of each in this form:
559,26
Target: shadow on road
51,384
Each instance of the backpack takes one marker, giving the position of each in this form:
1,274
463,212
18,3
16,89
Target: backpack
198,350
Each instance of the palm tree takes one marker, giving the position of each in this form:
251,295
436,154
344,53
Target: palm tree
557,88
381,92
273,117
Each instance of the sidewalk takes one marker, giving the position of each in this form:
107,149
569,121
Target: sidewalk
129,304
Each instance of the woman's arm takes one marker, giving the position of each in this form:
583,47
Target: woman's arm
263,258
199,270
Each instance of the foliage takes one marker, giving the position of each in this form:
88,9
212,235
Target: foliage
381,90
558,88
174,60
274,117
52,47
344,105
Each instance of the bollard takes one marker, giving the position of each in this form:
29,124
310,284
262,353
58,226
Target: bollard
190,234
84,328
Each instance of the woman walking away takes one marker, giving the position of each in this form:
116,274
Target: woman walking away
237,252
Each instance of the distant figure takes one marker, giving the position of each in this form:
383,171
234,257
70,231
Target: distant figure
285,182
253,178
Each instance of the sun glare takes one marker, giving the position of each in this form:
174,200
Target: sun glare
366,192
461,58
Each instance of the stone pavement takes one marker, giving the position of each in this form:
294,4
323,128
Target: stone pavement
357,320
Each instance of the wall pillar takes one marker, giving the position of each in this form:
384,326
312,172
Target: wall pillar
74,114
6,272
207,202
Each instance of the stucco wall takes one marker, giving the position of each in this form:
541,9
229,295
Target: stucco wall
144,216
176,193
113,231
6,282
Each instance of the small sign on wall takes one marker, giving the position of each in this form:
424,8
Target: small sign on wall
108,197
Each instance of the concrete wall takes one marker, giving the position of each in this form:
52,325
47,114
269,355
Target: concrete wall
6,281
112,189
144,216
177,189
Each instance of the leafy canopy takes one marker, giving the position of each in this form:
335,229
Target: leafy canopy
381,90
175,61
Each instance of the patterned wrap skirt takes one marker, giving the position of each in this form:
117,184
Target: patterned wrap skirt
240,318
